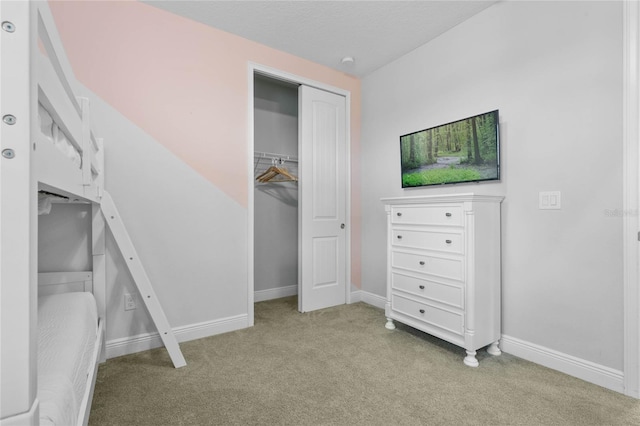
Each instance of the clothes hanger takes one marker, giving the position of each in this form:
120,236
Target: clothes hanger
276,174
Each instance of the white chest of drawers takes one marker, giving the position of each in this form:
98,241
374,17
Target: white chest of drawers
443,268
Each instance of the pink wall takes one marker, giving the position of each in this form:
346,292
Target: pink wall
186,85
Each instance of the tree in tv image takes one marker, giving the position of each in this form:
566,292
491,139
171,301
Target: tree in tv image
462,151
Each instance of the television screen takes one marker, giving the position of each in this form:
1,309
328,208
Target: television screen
466,150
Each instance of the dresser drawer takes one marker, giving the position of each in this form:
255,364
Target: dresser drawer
431,215
448,320
448,267
428,240
443,293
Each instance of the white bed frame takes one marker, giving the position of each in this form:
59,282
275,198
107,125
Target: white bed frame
28,163
34,70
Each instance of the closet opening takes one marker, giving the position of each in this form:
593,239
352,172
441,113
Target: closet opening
275,124
299,227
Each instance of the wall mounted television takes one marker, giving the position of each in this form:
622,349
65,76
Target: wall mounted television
466,150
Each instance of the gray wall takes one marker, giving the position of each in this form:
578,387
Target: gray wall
275,204
189,235
554,70
64,239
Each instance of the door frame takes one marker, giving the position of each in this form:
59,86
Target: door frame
276,74
631,197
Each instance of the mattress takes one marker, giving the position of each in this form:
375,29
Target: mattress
67,332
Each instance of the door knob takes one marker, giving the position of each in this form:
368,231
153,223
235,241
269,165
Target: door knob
342,226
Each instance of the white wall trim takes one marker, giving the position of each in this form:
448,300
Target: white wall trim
368,298
146,341
568,364
254,68
631,189
374,299
275,293
250,197
293,78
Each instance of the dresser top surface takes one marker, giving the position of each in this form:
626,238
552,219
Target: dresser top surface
443,198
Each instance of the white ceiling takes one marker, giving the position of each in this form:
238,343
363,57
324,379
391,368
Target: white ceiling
374,33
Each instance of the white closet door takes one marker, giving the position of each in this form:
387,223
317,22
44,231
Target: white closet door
322,199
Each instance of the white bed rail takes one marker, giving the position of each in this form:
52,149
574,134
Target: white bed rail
63,282
92,374
48,35
57,89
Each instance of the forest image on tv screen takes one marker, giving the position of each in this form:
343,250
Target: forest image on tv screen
463,151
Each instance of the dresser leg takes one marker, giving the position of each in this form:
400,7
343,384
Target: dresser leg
494,349
390,325
470,359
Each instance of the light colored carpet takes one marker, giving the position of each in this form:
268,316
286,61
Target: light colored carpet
340,366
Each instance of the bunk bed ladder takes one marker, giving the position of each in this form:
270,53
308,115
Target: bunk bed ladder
141,279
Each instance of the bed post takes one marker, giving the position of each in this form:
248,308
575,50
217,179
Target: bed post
98,246
99,270
18,214
86,145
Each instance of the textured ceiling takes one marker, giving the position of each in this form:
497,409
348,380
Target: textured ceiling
373,32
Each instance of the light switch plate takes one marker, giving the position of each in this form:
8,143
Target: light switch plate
550,200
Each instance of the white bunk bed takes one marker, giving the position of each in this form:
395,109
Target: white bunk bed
48,147
52,324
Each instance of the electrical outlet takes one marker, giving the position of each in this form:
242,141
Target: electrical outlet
129,302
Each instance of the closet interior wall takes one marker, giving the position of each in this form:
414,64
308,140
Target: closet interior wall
275,203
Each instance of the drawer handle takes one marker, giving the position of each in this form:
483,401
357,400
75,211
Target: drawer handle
399,237
399,214
447,214
422,262
448,241
421,287
422,311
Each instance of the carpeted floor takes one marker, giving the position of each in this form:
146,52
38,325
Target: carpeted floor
340,366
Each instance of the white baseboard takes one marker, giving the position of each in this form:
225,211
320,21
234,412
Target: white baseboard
568,364
368,298
275,293
143,342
